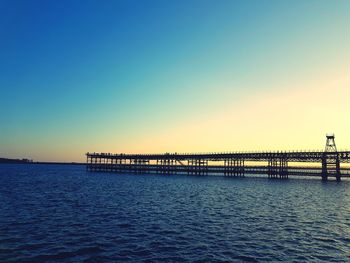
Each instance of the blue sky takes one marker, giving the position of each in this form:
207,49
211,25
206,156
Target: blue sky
79,76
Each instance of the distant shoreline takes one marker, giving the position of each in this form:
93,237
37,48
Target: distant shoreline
26,161
61,163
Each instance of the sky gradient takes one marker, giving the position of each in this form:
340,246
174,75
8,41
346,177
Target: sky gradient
172,76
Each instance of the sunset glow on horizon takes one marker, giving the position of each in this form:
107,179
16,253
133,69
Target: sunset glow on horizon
172,76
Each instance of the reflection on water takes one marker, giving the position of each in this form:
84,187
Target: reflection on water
50,213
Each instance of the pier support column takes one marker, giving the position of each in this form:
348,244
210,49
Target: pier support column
324,169
122,166
99,164
158,166
283,168
234,167
331,166
94,164
197,166
277,168
337,165
139,165
272,168
240,167
164,166
228,167
191,166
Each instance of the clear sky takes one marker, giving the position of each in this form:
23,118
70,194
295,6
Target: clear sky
172,76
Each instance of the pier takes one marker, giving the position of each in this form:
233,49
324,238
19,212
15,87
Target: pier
326,164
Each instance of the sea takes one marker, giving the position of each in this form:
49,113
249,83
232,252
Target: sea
62,213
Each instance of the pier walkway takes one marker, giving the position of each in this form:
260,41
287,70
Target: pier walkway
329,163
272,164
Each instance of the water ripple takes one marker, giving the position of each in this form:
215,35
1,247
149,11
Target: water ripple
61,213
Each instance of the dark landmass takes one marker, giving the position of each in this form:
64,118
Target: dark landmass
7,160
28,161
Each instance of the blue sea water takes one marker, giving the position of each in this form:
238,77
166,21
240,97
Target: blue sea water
62,213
